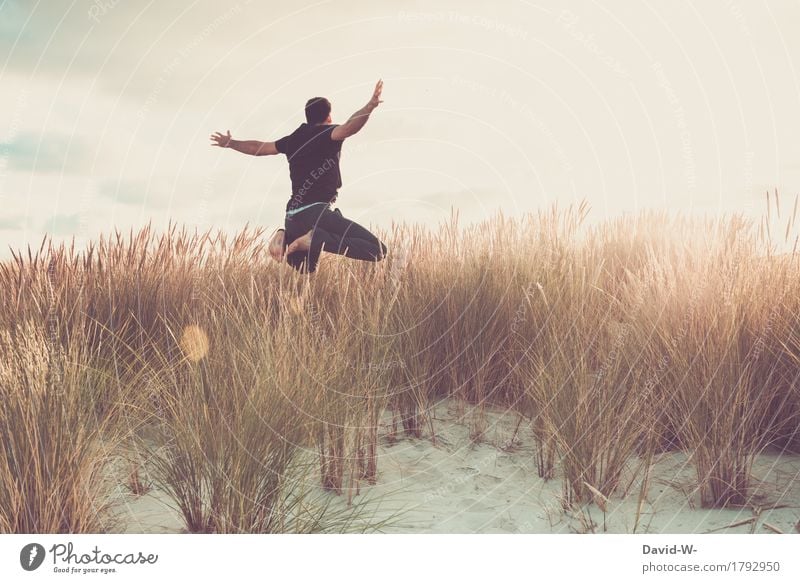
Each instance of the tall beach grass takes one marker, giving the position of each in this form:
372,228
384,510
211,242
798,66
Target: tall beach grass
253,389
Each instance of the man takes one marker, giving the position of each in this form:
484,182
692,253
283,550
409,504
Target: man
313,151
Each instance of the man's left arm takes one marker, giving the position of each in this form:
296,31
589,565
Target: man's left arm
249,147
353,125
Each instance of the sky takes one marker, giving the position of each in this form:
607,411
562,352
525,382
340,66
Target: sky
107,106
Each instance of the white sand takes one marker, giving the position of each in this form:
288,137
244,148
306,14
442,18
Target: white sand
456,486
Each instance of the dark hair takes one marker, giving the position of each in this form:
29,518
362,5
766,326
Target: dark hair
317,109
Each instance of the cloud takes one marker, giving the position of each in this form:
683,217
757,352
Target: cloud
12,223
43,153
116,36
38,37
12,20
63,224
124,191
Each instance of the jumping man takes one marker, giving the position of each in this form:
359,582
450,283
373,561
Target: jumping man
313,151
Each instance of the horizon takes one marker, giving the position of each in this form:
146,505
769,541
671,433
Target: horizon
780,244
688,109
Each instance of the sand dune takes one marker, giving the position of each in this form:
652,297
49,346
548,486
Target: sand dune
452,485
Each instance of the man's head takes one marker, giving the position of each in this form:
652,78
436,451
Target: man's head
318,110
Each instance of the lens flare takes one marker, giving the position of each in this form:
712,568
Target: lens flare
194,343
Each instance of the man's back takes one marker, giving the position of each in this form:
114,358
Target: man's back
313,164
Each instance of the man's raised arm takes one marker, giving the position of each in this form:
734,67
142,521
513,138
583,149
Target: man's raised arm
359,118
251,147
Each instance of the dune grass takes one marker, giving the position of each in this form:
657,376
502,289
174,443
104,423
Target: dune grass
55,443
252,389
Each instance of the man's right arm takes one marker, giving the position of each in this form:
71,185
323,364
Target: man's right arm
359,118
250,147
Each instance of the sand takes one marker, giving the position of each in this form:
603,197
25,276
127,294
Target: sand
457,486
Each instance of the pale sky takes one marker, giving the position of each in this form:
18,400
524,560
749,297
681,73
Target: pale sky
107,106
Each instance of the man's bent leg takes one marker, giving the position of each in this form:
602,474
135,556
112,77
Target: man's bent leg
332,232
345,237
295,229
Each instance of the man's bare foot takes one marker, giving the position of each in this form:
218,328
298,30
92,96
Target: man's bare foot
300,244
276,245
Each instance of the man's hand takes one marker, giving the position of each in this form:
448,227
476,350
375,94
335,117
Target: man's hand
221,140
375,100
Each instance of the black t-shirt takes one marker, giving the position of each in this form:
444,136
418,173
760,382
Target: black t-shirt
313,164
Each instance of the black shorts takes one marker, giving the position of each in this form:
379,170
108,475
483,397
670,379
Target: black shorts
331,232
